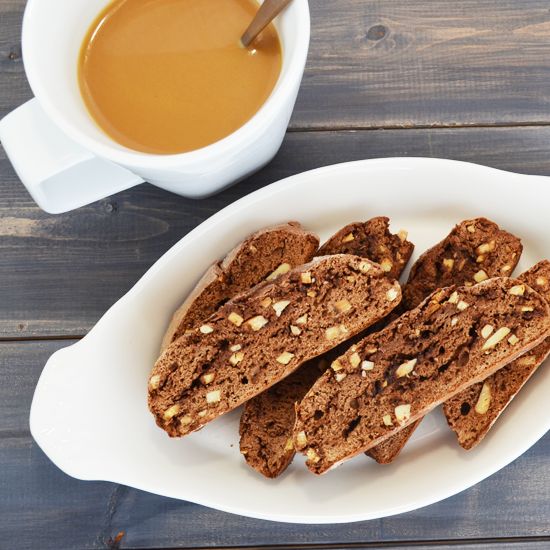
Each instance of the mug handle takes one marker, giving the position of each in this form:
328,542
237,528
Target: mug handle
59,174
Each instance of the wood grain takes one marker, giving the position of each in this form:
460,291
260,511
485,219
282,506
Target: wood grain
43,508
61,273
376,63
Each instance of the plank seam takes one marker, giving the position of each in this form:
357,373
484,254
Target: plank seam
462,543
459,126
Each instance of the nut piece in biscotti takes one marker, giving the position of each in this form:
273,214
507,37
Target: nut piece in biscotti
268,419
372,239
475,250
264,255
247,345
417,362
471,413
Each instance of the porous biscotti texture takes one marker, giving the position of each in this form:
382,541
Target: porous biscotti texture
471,413
263,335
392,378
373,240
268,419
474,250
266,253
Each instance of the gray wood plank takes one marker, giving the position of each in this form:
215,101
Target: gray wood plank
42,508
400,63
60,273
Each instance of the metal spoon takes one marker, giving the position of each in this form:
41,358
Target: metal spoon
267,12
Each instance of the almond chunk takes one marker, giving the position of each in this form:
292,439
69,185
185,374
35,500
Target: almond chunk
461,306
257,323
499,335
486,331
387,420
391,295
302,320
206,329
343,306
486,247
279,307
312,456
513,340
541,281
289,446
207,378
171,412
484,399
186,420
518,290
154,381
235,318
295,330
285,358
235,347
527,360
348,238
281,270
364,267
403,234
336,365
448,263
480,276
306,278
527,308
367,365
266,302
213,396
355,360
236,358
340,376
386,265
402,414
335,332
453,298
301,439
405,368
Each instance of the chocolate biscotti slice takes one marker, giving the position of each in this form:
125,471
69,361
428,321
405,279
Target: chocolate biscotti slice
262,335
373,240
394,377
474,250
268,419
471,413
264,255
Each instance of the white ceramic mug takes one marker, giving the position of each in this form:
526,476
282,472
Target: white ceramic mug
66,161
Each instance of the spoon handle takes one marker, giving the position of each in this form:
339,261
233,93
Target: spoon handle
267,12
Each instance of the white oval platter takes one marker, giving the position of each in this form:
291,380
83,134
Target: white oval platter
89,413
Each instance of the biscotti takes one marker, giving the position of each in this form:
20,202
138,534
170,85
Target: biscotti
373,240
268,419
263,335
265,254
474,250
471,413
396,376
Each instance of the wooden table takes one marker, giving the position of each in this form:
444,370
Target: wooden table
468,79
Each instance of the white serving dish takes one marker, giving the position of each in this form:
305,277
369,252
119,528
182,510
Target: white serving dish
89,413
